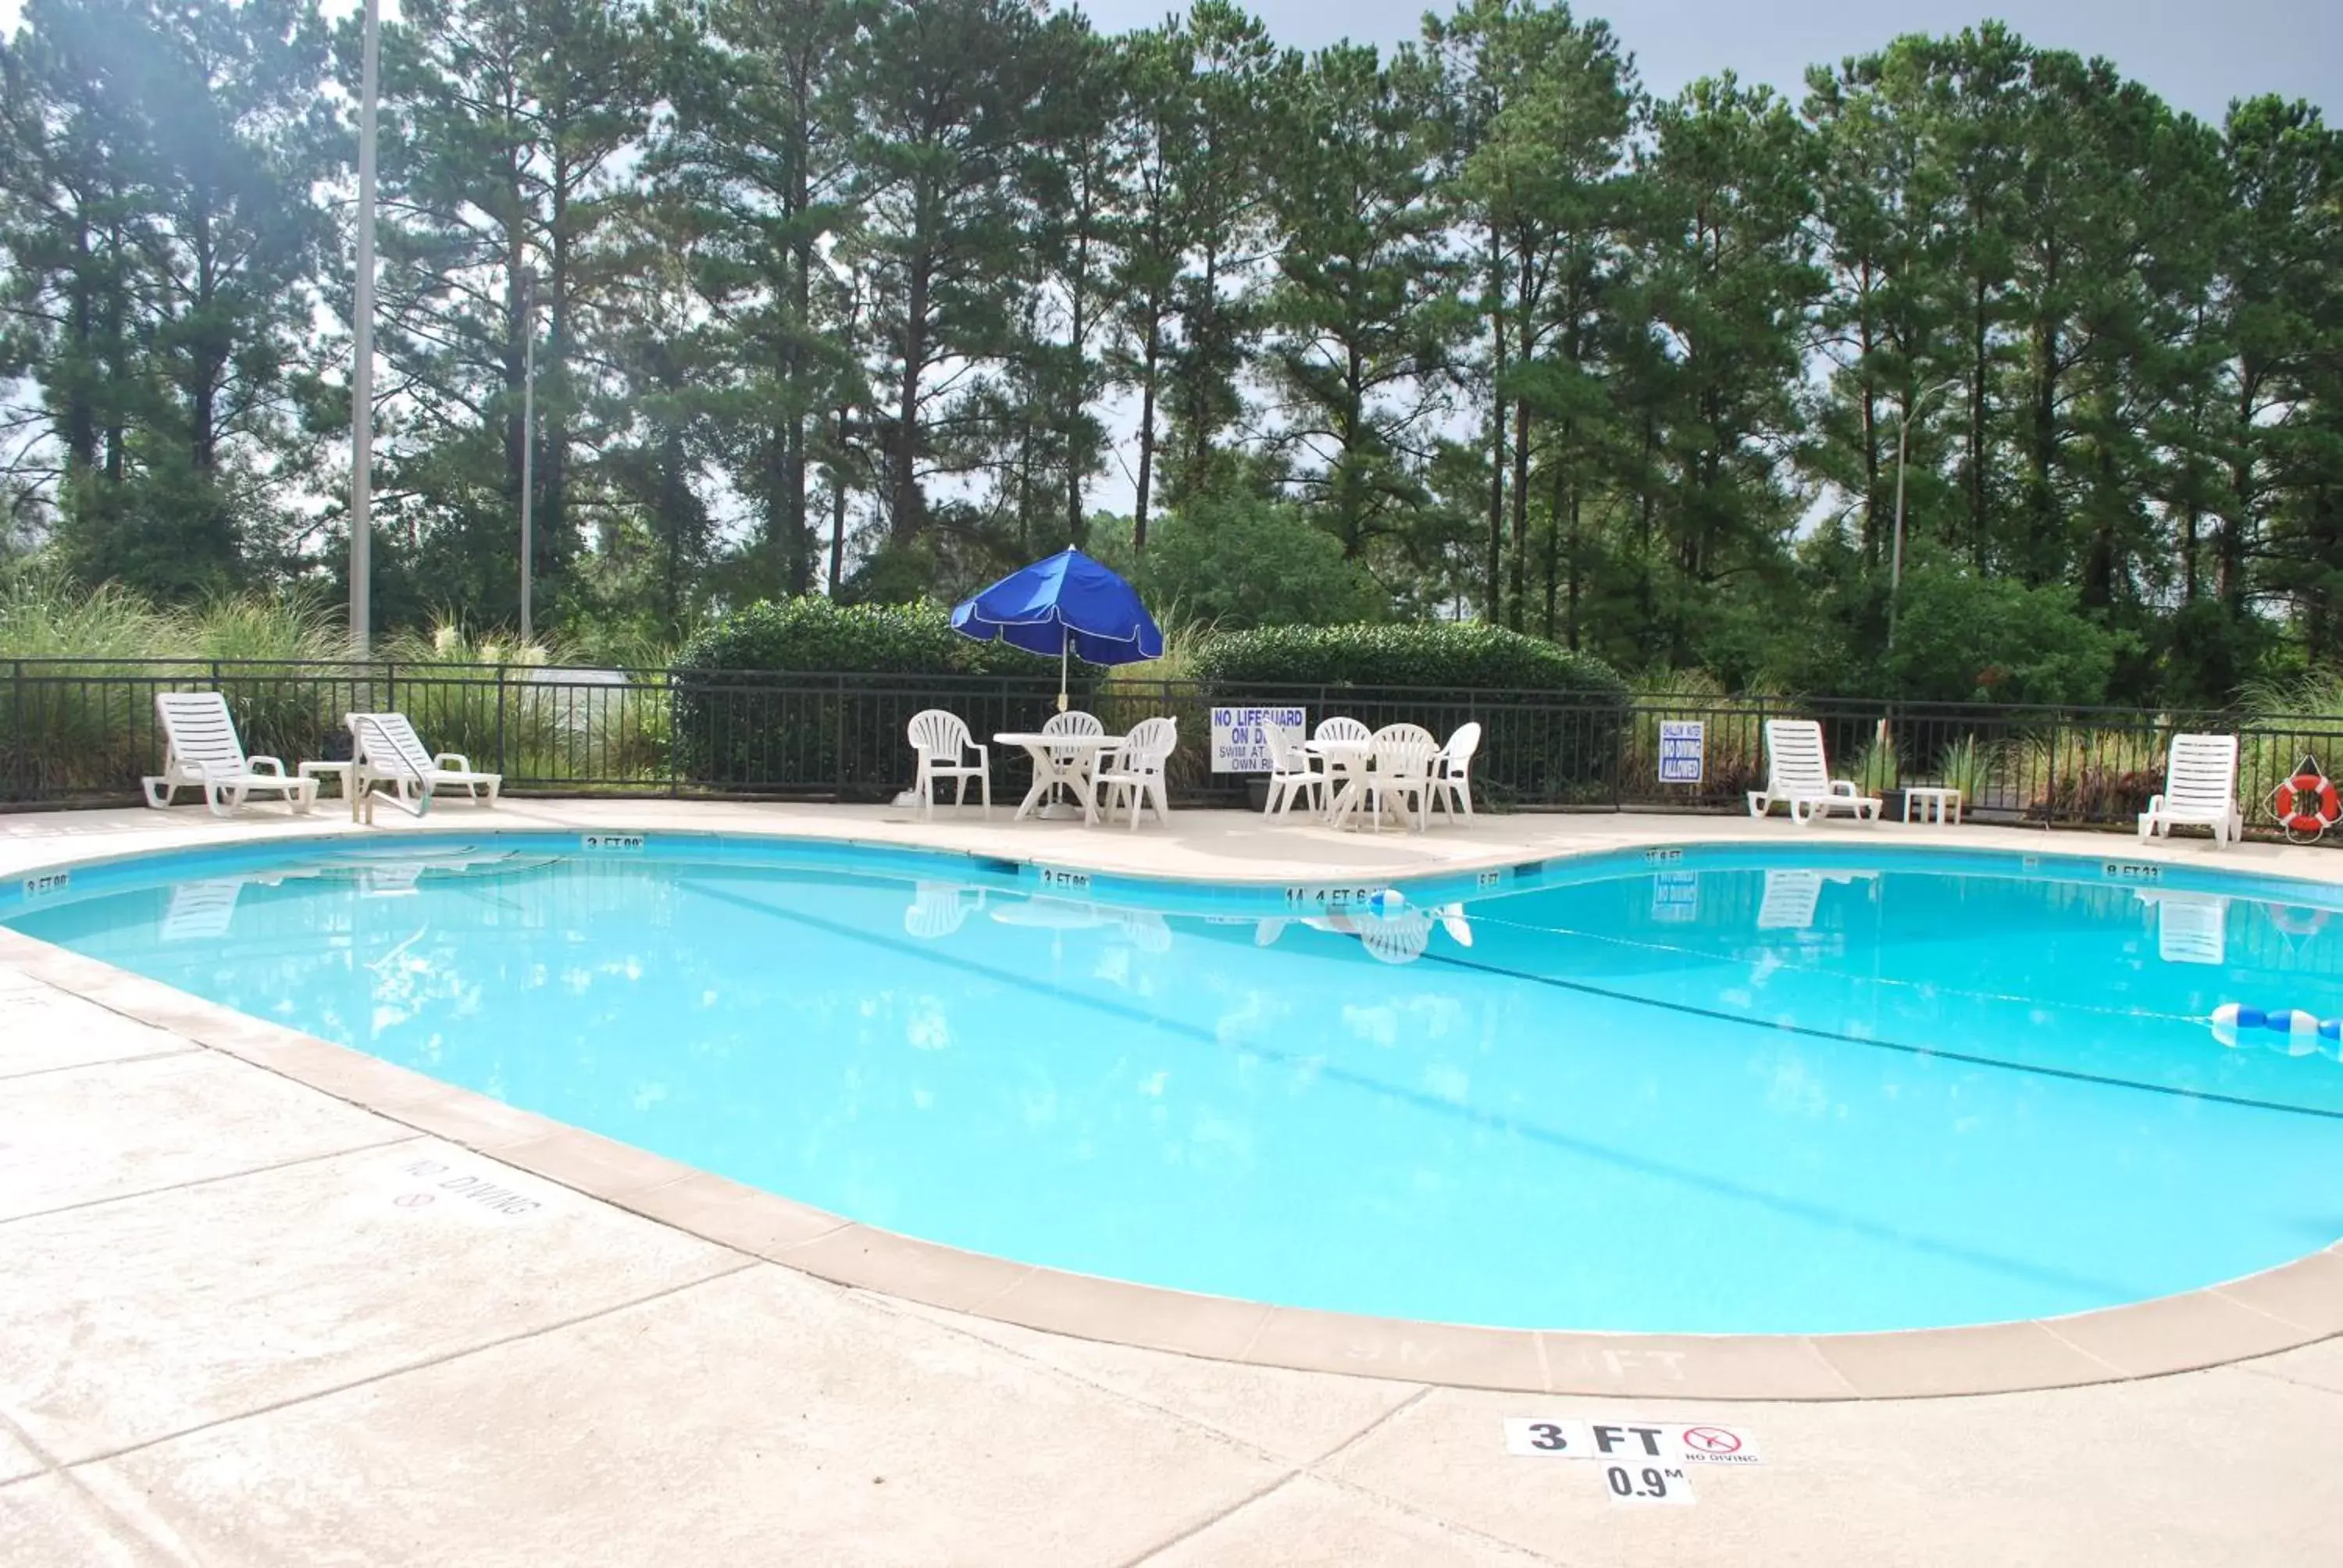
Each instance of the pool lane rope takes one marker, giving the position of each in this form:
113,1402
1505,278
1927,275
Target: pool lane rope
2300,1031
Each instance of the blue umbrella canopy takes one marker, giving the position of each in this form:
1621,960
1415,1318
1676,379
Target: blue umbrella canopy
1067,604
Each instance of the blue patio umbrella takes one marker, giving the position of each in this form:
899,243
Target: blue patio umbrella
1066,604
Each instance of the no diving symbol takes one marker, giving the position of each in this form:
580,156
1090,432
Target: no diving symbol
1711,1439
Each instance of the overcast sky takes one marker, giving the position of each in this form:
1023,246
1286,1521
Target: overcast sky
2198,53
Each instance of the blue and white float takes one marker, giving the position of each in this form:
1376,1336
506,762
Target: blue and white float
2299,1032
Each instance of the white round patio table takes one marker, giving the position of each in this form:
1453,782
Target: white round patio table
1069,759
1346,769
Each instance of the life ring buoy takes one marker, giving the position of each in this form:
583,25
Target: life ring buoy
2306,803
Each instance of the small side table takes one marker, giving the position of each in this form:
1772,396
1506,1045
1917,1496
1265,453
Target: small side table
337,770
1934,799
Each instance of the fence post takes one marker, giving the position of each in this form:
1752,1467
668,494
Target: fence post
20,763
502,765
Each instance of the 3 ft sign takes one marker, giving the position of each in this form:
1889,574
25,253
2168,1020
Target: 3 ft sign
1684,1442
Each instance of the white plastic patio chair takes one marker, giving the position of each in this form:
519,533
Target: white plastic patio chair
937,910
2200,790
1138,770
1451,771
1072,764
1798,776
385,749
1292,771
942,742
201,751
1340,728
1345,773
1403,772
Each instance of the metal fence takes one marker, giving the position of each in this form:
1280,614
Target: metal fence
78,731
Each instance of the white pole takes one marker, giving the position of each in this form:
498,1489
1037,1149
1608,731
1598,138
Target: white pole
362,356
527,446
1064,642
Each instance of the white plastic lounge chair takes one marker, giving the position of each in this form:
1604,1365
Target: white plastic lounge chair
942,742
2200,790
1292,771
1138,771
385,749
201,911
1452,772
1403,773
1798,776
2190,927
201,751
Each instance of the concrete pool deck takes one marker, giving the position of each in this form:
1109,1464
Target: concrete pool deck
263,1299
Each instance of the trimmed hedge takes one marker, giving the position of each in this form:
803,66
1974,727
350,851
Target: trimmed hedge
1552,720
1439,656
735,726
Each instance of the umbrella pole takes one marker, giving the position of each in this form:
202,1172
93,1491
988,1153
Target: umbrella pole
1063,643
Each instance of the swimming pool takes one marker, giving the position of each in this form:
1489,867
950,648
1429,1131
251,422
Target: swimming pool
1802,1088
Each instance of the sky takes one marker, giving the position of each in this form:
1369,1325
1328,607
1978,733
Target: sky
2198,53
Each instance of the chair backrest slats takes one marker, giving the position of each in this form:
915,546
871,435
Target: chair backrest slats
1075,722
388,743
2201,773
1148,744
1340,728
199,730
1794,757
940,733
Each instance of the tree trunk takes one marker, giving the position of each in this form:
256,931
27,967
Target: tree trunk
1146,430
904,525
1497,432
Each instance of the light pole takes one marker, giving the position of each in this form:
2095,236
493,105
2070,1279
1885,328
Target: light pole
1903,450
527,446
362,357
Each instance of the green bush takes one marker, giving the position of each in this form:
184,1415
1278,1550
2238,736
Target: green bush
737,728
1439,656
1551,719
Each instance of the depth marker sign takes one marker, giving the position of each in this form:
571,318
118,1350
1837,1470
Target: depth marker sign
1624,1440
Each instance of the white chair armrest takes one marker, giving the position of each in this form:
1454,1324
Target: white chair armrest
1844,787
983,755
263,765
2154,805
454,761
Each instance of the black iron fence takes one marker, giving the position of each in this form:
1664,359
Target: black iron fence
78,731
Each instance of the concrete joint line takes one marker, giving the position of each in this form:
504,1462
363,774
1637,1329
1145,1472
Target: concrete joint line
401,1370
184,1047
408,1137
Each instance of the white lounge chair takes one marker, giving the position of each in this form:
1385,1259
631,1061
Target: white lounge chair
201,751
1292,771
2190,927
2200,790
385,749
1798,776
1451,771
941,741
1138,770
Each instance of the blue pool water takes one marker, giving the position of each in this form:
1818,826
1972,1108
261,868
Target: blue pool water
1795,1089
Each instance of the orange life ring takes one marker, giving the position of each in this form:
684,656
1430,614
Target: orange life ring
2286,803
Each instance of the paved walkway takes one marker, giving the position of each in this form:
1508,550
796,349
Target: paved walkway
232,1331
